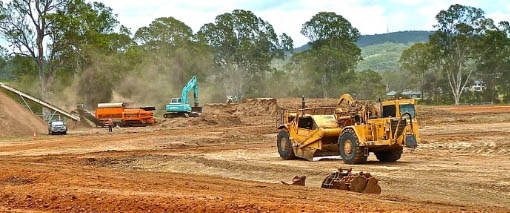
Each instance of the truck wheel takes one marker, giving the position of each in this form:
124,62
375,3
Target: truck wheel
349,150
284,146
389,156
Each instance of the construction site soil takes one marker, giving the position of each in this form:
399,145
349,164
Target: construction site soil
227,161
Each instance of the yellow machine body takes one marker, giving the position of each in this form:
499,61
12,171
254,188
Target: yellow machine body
382,128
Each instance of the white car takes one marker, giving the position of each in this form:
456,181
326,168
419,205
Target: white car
57,127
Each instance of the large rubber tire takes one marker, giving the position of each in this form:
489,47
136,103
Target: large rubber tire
285,146
349,150
389,156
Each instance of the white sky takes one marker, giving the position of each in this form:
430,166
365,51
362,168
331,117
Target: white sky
369,16
287,16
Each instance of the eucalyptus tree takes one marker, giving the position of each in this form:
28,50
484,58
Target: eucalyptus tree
459,29
243,47
333,54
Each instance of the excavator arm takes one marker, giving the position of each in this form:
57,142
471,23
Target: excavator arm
192,84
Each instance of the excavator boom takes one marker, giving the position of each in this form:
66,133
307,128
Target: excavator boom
192,84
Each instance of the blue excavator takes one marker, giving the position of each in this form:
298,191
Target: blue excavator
180,107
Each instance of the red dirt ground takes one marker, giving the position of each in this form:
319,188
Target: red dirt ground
462,164
476,109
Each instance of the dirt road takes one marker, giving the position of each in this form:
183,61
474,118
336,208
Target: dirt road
462,165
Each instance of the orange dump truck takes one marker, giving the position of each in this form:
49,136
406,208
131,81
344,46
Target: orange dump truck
123,116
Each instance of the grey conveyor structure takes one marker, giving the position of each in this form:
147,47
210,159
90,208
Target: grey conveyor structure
40,102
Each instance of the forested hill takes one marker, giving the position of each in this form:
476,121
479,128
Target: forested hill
403,37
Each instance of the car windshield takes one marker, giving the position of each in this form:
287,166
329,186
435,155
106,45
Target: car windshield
407,108
57,123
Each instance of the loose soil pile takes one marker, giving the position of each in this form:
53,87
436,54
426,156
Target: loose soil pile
249,107
250,111
247,112
16,120
295,103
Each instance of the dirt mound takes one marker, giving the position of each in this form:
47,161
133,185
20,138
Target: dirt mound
249,107
16,120
295,103
250,111
258,107
222,119
217,119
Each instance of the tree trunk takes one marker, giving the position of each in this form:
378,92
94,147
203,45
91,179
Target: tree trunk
42,74
457,98
324,86
422,85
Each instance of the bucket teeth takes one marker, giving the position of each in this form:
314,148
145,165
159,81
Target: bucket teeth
372,186
358,184
345,180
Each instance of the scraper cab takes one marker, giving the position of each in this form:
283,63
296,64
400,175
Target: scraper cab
349,131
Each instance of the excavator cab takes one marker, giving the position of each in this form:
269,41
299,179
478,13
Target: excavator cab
180,107
175,101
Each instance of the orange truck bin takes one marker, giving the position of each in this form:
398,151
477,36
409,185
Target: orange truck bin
123,116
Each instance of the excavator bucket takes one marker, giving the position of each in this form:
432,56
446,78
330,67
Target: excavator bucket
196,111
358,184
344,179
372,186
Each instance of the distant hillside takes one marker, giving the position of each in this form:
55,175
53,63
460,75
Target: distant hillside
382,57
403,37
381,52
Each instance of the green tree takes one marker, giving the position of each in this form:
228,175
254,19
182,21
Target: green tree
244,46
59,34
24,24
417,60
171,53
5,72
370,85
164,32
458,30
170,44
493,59
396,81
333,55
79,29
93,49
502,78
